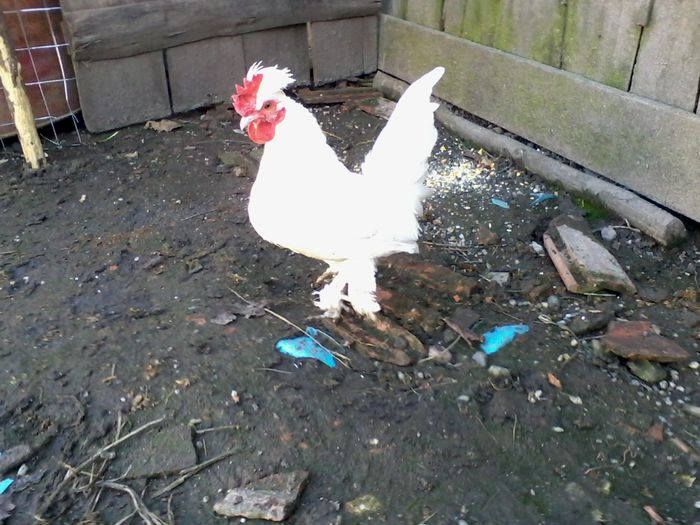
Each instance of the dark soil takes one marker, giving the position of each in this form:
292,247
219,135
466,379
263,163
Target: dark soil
115,259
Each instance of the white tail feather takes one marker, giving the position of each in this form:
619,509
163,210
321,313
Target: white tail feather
402,148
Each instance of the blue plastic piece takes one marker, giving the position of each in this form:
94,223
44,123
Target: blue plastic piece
500,203
5,484
498,337
304,347
541,197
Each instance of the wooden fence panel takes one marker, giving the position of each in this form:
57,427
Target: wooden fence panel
668,64
528,28
649,147
425,12
343,48
204,72
284,46
453,16
123,91
129,29
602,37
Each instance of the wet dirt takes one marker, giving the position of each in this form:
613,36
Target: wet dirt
115,260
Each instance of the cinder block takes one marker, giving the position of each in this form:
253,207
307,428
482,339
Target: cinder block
204,72
123,91
285,47
343,48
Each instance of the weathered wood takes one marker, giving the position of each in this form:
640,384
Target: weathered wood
336,95
18,101
528,28
205,72
370,47
602,37
116,93
425,12
668,62
453,16
394,8
652,220
646,146
340,48
284,46
130,29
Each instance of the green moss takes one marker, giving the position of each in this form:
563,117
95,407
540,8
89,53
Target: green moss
481,20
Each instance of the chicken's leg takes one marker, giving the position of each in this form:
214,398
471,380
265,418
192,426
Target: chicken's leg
362,286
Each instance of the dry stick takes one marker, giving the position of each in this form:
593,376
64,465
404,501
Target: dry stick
147,516
340,357
72,471
215,429
187,473
18,101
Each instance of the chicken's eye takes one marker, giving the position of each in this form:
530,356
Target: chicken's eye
267,105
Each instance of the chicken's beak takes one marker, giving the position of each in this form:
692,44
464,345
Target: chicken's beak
245,121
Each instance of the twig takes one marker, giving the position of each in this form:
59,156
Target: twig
8,252
342,358
187,473
267,369
72,471
214,429
148,517
198,214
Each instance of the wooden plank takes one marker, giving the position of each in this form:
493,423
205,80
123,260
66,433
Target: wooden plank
602,37
338,48
532,29
370,47
134,28
668,63
501,25
646,146
204,72
394,8
453,16
116,93
425,12
284,46
77,5
480,21
336,95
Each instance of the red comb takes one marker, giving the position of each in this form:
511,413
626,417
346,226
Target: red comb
244,98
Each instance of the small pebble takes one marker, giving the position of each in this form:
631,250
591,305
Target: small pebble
553,302
692,410
608,233
439,354
498,371
558,430
576,400
693,365
480,358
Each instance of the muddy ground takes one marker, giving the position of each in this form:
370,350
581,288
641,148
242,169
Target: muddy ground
115,260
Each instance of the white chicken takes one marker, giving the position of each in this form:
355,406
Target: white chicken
306,200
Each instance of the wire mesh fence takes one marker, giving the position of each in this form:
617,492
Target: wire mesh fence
34,27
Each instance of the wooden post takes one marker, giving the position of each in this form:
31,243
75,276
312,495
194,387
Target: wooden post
17,100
